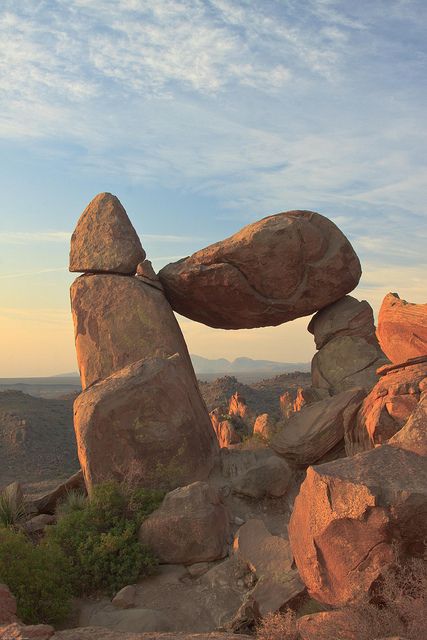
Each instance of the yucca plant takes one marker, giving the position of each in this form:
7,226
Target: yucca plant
75,500
12,509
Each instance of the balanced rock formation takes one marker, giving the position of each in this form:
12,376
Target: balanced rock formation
191,525
280,268
104,239
388,406
148,417
402,328
352,518
317,428
349,353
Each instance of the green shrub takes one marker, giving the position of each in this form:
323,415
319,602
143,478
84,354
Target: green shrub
75,500
37,576
101,539
12,511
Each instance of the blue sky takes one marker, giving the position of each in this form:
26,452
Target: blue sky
203,116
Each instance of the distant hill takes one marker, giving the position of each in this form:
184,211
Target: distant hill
245,365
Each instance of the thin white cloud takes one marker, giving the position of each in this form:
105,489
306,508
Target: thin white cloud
28,237
26,274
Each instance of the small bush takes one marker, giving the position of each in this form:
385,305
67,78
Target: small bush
101,539
278,626
74,500
12,511
37,577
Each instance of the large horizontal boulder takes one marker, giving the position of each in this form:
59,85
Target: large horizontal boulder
267,477
48,502
310,433
148,417
346,317
118,320
402,328
280,268
388,406
104,239
354,517
191,525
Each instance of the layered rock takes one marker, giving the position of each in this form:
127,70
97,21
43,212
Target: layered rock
148,417
388,406
240,283
402,328
119,320
104,239
191,525
349,353
354,516
317,428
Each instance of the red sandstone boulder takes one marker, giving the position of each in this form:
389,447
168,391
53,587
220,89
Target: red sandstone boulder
191,525
346,317
402,328
413,435
148,417
349,515
104,239
388,406
118,320
265,426
282,267
317,428
224,429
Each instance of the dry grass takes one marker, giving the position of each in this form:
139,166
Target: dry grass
278,626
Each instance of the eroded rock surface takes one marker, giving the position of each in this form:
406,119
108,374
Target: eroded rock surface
148,418
310,433
191,525
239,282
402,328
349,514
104,239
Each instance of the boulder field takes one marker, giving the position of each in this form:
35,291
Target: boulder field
248,527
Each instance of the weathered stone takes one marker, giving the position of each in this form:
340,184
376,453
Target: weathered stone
224,429
269,477
239,282
402,328
413,435
7,606
387,407
317,428
349,515
104,239
286,405
346,362
125,598
191,525
18,631
308,395
37,525
118,320
346,317
146,273
148,417
265,426
99,633
49,502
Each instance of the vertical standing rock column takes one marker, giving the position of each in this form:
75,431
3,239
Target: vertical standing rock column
140,408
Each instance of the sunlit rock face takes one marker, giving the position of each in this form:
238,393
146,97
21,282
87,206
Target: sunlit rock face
104,239
118,320
147,419
402,328
282,267
354,515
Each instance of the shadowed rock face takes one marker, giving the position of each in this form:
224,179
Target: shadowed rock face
104,239
148,419
118,320
402,328
347,516
280,268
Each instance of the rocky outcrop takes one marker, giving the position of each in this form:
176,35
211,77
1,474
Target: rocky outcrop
270,559
104,239
353,517
224,429
402,328
388,406
239,283
317,428
286,405
119,320
148,417
270,477
349,353
265,426
18,631
48,502
308,395
413,436
191,525
238,407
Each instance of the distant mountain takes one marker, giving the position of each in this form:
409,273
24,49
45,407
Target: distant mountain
245,365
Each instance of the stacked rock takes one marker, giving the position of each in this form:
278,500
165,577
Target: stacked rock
141,408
